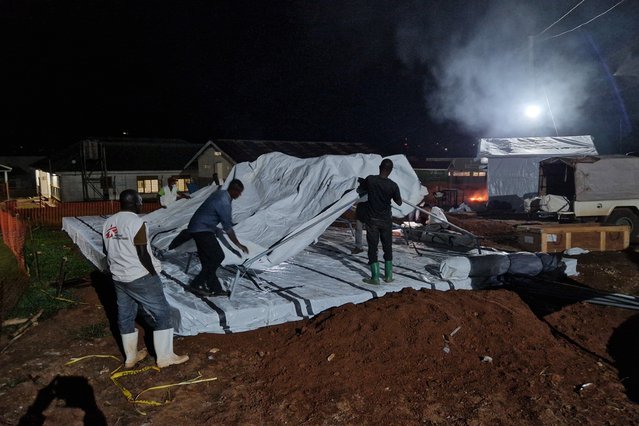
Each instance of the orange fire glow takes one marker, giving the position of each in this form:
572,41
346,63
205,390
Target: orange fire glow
477,197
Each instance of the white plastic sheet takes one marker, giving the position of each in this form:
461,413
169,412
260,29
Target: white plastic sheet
321,276
286,204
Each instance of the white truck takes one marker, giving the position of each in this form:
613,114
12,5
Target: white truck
602,188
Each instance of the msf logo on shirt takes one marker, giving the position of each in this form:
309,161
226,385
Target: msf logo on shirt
112,232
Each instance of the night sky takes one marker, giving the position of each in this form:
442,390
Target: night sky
422,77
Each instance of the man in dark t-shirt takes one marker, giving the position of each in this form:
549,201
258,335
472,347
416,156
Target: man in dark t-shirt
379,224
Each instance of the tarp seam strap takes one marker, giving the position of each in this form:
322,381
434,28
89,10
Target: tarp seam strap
220,312
292,297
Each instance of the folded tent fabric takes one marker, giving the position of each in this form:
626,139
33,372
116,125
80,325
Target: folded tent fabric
287,203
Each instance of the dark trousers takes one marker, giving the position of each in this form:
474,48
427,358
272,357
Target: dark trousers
211,257
377,230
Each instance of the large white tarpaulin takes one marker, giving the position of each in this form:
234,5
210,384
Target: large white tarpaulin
513,163
311,272
323,275
286,204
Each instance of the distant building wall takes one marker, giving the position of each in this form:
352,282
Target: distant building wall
212,161
147,183
71,187
432,176
466,182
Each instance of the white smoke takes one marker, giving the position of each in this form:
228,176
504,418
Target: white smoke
481,68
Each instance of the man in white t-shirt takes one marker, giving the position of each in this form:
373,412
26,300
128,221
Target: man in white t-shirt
135,272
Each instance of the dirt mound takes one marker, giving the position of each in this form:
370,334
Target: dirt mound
421,356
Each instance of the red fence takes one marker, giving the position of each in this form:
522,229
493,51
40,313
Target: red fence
14,232
52,216
14,221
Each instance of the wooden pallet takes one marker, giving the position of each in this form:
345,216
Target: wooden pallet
553,238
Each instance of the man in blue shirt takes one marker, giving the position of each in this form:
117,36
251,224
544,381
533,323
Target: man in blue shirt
216,209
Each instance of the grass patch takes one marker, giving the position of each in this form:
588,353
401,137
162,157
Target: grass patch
93,331
8,263
44,253
36,298
13,281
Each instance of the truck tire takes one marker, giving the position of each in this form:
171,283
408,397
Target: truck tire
627,217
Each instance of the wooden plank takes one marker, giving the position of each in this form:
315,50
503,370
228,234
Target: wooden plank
571,227
553,238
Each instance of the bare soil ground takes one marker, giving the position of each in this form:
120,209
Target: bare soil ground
414,357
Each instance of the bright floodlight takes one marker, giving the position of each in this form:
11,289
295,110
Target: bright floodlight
532,111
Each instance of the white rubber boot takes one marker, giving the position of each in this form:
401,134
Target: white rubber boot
163,342
130,344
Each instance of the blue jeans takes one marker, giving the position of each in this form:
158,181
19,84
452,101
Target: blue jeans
148,293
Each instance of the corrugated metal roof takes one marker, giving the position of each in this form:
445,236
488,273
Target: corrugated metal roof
248,150
126,154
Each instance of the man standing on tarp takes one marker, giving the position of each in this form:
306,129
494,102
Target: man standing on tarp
216,209
376,215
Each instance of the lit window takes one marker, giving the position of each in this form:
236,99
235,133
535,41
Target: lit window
182,183
148,184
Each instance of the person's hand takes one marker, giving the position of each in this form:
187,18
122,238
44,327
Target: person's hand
244,249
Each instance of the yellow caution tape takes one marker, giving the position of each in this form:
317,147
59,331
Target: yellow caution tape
74,360
127,393
117,374
186,382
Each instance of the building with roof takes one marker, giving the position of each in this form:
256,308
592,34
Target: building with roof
18,179
100,168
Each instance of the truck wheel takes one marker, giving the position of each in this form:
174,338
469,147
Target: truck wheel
625,217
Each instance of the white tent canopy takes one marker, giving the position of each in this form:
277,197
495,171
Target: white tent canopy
513,163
